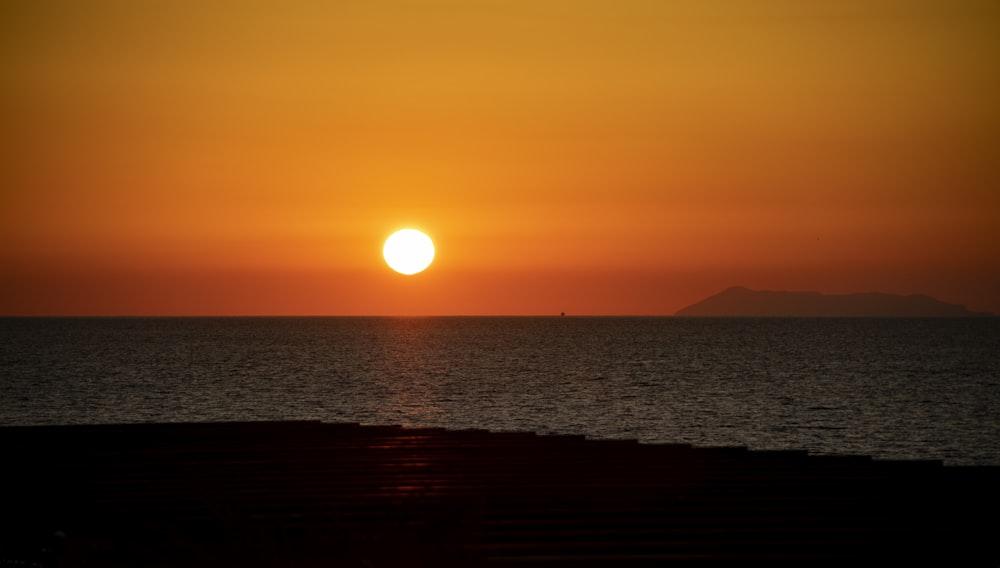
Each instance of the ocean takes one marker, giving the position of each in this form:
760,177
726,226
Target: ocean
890,388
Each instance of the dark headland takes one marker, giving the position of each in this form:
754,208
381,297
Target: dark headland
313,494
739,301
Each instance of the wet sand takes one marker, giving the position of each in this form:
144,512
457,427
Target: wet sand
315,494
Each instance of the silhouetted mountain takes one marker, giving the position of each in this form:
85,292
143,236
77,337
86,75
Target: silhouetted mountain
740,301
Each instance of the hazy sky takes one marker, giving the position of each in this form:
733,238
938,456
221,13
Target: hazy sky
592,157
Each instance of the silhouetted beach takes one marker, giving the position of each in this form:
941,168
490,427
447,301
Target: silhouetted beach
311,494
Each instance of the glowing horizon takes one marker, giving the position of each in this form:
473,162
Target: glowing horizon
592,157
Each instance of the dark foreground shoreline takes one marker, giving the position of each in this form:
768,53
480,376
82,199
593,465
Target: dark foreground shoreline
316,494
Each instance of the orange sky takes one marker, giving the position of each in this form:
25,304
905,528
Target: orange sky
593,157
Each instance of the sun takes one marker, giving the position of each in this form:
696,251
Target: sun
408,251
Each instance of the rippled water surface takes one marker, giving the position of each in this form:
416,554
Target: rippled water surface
891,388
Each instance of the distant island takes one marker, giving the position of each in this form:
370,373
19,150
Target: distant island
740,301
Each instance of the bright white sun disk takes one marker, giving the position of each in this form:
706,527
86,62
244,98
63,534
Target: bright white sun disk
408,251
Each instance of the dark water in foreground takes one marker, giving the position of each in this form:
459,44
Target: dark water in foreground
890,388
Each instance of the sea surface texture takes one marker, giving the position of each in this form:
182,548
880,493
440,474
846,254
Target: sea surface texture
889,388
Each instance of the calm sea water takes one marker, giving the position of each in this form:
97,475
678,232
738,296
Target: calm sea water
889,388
